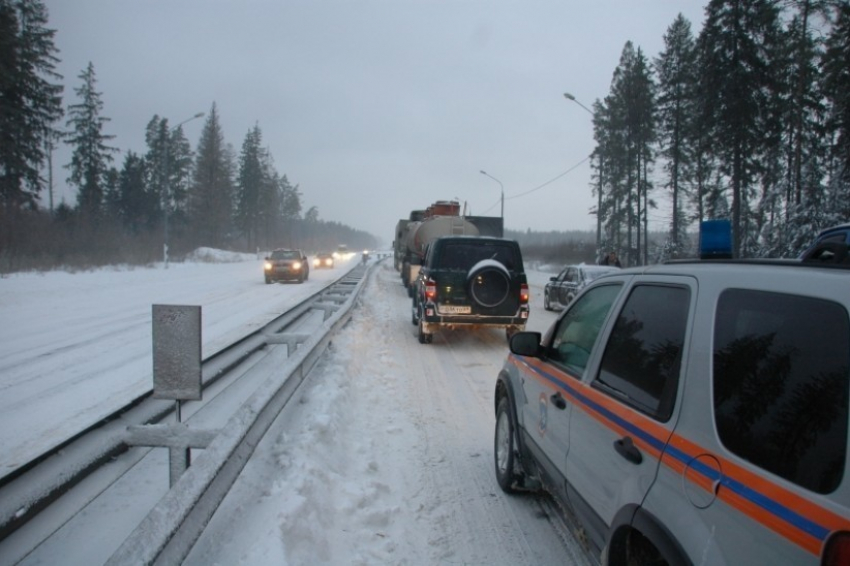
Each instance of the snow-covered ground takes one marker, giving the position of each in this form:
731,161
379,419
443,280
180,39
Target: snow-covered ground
76,346
384,457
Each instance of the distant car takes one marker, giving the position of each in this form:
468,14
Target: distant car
323,261
286,265
562,289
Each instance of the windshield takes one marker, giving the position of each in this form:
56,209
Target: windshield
285,254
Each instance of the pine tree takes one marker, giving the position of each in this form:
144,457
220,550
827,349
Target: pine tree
290,200
630,116
737,44
806,146
30,101
270,202
600,168
677,79
90,156
312,214
613,165
836,86
179,161
137,207
805,97
250,185
210,199
112,193
168,169
155,157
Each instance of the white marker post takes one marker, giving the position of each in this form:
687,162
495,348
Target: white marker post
177,375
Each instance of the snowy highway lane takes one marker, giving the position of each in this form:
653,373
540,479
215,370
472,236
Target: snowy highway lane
75,347
385,457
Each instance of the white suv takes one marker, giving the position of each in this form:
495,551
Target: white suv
691,412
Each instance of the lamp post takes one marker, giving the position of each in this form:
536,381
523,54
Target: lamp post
569,96
501,186
572,98
166,134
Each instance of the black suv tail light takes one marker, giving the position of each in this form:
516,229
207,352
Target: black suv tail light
523,294
430,290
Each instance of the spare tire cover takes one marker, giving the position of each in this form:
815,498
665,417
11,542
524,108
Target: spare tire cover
489,283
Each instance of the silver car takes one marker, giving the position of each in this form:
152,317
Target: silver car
563,288
690,413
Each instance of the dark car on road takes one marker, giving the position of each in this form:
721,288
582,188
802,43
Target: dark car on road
286,265
562,289
468,282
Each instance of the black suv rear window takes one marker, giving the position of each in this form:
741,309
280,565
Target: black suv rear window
463,255
781,384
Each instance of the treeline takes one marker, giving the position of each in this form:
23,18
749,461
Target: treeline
149,207
748,121
558,248
572,246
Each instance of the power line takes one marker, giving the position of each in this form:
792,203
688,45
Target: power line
537,188
571,169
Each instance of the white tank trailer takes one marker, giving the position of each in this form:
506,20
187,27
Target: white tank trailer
440,219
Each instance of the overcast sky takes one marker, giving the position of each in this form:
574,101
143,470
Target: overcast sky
375,107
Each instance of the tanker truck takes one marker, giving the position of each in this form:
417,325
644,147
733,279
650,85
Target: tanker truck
440,219
401,229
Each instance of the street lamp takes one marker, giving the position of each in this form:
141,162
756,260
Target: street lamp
503,190
569,96
167,185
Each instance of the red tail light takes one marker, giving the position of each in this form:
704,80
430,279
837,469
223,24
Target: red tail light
430,290
523,294
837,550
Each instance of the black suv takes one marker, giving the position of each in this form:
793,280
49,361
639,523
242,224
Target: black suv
470,281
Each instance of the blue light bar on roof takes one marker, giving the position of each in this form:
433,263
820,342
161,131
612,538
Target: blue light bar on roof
715,239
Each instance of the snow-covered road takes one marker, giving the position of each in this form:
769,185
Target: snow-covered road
384,457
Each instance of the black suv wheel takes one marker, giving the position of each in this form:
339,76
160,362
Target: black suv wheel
424,338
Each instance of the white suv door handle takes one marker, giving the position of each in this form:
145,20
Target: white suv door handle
559,401
627,449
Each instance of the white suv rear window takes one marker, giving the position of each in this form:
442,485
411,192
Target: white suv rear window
781,375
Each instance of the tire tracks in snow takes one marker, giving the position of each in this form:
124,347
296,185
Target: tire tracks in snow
471,520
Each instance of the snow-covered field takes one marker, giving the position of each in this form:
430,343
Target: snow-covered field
383,457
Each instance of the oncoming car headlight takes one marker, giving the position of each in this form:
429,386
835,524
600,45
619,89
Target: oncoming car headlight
296,265
267,266
317,262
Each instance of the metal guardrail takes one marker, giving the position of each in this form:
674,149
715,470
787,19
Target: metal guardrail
169,531
43,481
